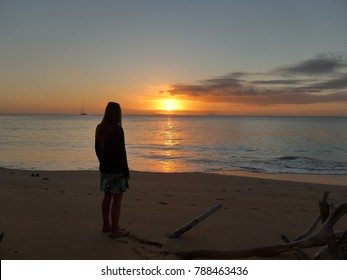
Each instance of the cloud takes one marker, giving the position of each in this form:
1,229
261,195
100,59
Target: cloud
320,65
338,83
276,86
279,82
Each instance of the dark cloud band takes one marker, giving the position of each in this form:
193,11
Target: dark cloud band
321,81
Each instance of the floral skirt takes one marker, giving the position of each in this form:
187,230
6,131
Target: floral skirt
112,182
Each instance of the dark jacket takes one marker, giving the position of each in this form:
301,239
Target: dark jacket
110,149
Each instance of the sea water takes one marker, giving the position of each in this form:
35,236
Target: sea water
271,145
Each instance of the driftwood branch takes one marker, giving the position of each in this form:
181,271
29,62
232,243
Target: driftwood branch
300,253
325,235
268,251
194,222
324,207
310,229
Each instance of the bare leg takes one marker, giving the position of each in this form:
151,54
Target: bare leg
115,211
105,206
115,214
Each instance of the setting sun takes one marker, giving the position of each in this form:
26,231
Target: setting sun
169,105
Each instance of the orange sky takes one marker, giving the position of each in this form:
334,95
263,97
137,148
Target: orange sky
159,104
174,57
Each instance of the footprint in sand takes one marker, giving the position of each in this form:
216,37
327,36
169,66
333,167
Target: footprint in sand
162,203
284,195
122,241
62,191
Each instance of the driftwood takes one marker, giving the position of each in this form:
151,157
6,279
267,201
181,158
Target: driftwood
300,254
194,222
335,242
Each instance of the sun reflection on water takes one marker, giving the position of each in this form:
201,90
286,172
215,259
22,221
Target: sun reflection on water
170,140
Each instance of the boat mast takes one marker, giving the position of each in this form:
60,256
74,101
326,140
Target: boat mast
82,112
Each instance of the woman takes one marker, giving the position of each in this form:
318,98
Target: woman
114,170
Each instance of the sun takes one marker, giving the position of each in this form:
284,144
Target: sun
169,105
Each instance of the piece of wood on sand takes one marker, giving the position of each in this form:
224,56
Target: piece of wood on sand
334,242
196,221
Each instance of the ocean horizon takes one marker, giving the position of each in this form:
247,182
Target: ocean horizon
181,143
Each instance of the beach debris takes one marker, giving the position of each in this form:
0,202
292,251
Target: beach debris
196,221
334,243
300,253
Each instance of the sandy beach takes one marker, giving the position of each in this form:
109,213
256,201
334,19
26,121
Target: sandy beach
56,214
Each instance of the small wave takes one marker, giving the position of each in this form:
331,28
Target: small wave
294,158
304,165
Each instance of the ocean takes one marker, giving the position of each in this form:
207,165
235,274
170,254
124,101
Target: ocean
269,145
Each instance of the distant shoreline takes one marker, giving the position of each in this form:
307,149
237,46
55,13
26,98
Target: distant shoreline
174,115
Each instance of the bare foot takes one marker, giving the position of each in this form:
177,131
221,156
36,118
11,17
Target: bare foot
106,229
119,233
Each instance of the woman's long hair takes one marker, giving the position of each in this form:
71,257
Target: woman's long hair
113,114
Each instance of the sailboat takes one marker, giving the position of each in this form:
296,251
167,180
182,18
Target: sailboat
82,112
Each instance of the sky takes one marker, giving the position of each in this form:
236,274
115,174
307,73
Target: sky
220,57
